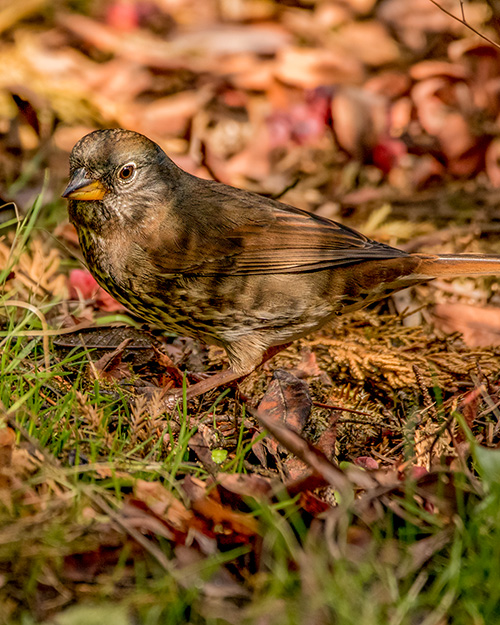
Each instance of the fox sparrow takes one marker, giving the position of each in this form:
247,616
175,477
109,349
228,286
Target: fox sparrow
223,265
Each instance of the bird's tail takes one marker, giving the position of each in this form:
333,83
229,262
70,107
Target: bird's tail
370,281
452,265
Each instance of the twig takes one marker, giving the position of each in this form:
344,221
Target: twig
319,404
463,21
371,424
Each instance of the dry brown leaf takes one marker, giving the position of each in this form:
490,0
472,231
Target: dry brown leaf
13,12
118,81
202,443
226,522
330,15
492,162
164,504
480,327
369,42
248,72
432,68
244,485
425,169
252,162
58,76
482,61
366,462
390,84
286,401
165,116
309,68
469,408
359,118
360,6
308,366
456,137
414,20
7,440
196,49
219,520
431,109
442,112
473,46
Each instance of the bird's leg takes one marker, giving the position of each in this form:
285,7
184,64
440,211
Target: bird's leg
224,377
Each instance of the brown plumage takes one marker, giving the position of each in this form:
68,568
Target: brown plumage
223,265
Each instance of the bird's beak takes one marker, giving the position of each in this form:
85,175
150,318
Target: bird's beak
80,187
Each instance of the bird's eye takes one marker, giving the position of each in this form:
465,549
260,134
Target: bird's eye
127,172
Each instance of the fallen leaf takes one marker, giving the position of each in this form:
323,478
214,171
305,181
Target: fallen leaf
366,462
308,454
123,15
164,504
479,326
492,162
234,487
390,84
369,41
7,440
169,116
431,68
287,401
311,68
359,119
84,286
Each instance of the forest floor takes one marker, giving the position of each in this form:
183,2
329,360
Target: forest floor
354,478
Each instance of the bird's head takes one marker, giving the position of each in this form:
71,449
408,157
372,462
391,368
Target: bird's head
116,177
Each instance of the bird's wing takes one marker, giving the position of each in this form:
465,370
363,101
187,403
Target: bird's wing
247,234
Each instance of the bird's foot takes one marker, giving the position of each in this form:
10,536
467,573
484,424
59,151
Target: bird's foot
173,397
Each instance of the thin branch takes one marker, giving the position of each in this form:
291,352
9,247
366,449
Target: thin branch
463,21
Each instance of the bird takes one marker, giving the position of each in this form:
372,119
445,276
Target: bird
223,265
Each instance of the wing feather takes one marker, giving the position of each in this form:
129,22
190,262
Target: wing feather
227,231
